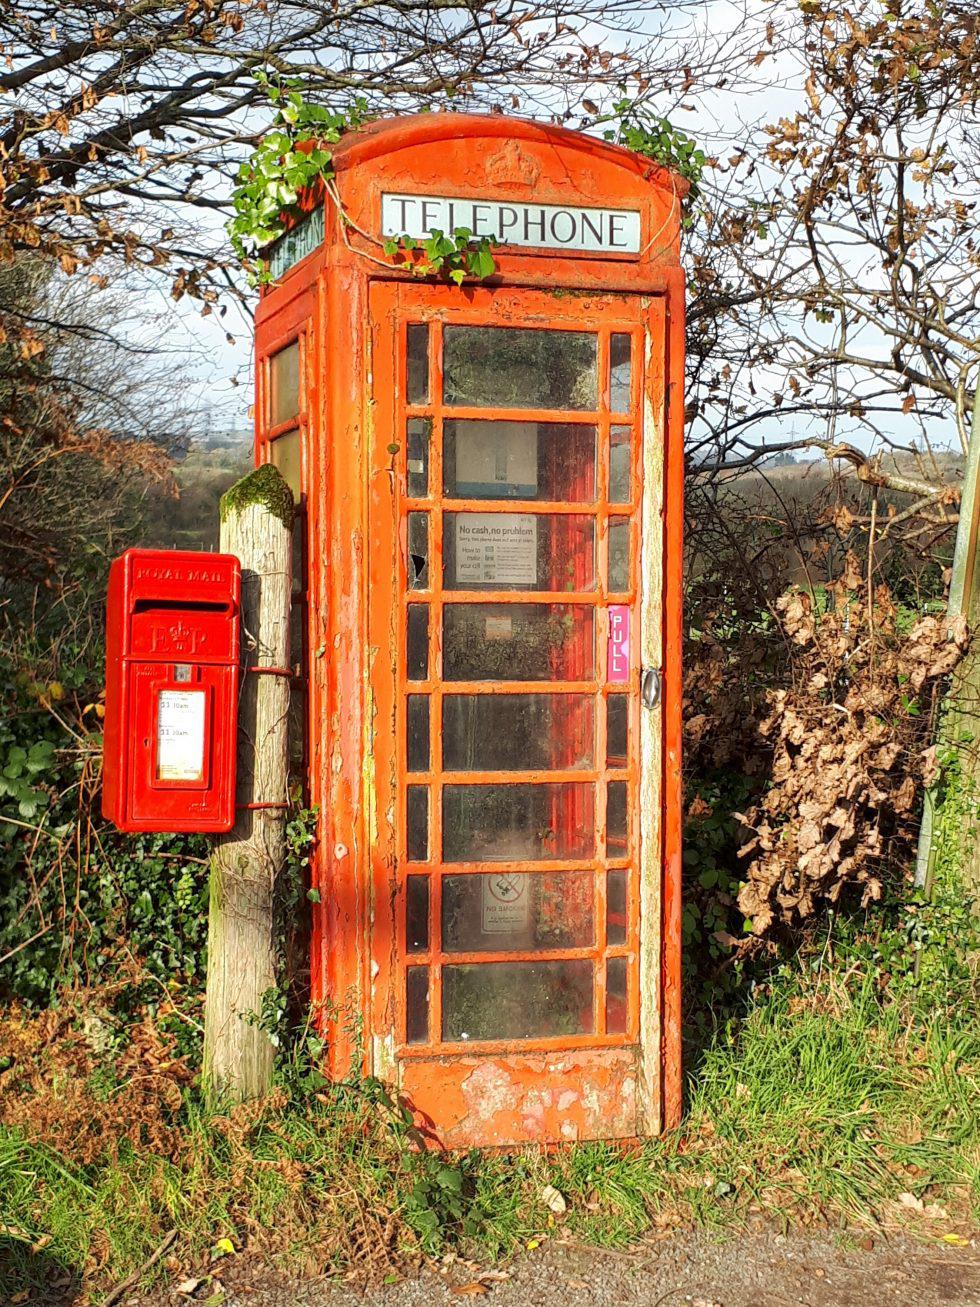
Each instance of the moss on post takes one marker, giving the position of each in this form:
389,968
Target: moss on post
266,487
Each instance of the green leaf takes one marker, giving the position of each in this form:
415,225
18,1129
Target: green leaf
482,263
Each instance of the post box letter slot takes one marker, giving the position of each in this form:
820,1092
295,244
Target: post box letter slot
168,605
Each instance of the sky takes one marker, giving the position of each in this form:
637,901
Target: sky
217,374
216,371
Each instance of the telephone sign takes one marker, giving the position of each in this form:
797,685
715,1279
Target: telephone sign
546,226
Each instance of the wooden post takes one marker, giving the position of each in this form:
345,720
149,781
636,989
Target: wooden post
963,708
256,525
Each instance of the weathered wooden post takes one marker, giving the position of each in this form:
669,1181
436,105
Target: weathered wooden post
256,525
961,724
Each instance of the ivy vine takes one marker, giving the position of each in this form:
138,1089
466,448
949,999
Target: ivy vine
295,155
643,132
291,158
456,256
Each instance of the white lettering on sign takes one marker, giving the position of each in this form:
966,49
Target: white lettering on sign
496,548
505,902
618,647
180,735
304,238
543,226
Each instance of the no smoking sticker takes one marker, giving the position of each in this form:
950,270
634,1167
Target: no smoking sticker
505,902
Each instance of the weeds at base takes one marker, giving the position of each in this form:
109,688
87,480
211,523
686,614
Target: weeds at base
833,1102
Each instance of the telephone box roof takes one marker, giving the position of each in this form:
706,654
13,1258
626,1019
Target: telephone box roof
388,135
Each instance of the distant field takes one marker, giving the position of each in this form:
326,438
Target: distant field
191,520
792,527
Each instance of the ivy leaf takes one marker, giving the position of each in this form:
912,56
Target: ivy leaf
482,263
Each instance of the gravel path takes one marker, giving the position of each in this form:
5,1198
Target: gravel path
751,1270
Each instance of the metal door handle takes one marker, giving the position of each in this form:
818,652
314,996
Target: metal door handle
650,686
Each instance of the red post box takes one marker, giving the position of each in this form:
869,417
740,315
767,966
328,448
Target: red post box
172,658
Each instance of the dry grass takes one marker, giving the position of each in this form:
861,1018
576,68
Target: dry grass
832,1101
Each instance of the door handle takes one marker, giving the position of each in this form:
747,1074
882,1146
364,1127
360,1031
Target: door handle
651,684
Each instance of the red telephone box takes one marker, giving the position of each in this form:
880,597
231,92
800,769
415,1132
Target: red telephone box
172,653
490,481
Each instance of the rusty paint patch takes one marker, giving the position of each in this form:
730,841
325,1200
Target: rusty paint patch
540,1098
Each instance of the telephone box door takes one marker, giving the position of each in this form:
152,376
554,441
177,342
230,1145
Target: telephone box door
516,523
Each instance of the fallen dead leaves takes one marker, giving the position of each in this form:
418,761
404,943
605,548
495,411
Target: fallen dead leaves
849,743
479,1286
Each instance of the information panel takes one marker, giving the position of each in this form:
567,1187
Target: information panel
499,549
180,735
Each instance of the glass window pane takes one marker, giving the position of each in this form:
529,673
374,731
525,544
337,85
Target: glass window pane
417,805
516,1000
619,465
617,909
619,370
284,385
617,1007
617,730
518,551
518,460
285,453
418,551
419,432
418,732
616,818
518,822
418,363
518,367
417,1005
511,910
417,652
517,732
518,642
417,914
618,581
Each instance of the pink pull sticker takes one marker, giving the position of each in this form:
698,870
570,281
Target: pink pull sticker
618,648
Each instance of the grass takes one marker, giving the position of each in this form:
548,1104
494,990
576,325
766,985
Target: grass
823,1108
828,1099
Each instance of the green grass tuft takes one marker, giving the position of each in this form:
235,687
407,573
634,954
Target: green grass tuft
825,1102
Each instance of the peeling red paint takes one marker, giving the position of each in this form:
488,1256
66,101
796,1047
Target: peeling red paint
349,312
492,1102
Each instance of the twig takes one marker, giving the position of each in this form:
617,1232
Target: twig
26,825
182,857
43,931
871,574
116,1293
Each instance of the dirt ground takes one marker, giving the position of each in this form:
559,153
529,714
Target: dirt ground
754,1270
